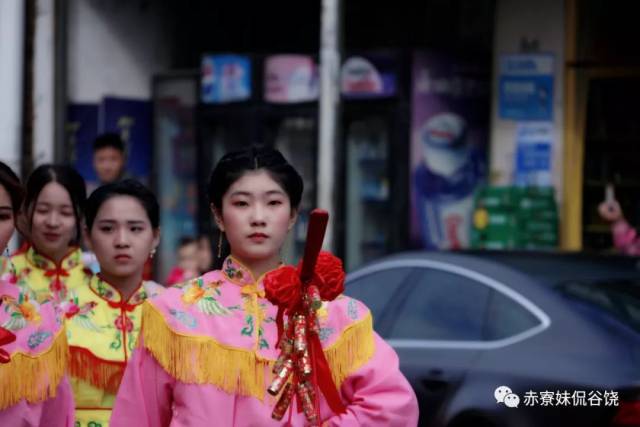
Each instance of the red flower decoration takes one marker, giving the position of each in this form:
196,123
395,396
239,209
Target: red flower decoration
329,276
127,326
6,337
282,287
72,310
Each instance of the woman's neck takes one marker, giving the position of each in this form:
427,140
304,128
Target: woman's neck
126,285
56,256
258,267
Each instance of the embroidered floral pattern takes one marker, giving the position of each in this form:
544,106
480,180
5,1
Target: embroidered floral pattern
21,310
80,315
325,333
231,270
37,338
185,318
196,292
123,323
352,309
56,275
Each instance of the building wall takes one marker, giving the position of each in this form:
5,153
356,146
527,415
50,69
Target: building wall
11,65
536,22
115,48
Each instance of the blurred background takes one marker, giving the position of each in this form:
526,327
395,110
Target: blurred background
441,124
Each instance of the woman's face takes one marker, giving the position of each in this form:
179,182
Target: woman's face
53,223
122,237
7,220
256,217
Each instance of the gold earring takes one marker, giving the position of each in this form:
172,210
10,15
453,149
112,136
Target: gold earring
220,244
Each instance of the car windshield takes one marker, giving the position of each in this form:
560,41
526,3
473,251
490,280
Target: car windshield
617,297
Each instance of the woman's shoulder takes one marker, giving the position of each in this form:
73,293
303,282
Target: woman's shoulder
38,354
346,309
36,324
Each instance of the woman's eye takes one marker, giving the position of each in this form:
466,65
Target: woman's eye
275,202
105,229
6,217
240,203
136,229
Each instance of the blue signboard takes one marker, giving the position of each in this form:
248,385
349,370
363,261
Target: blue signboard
82,129
225,78
526,87
533,154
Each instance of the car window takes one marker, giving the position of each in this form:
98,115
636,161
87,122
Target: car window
507,317
618,298
377,289
442,306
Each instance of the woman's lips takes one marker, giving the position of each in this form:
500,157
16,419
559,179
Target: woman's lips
51,237
258,237
122,258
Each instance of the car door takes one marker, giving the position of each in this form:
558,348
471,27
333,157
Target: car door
378,288
437,329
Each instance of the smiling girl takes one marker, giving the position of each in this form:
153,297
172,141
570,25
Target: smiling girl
103,320
52,265
207,348
33,347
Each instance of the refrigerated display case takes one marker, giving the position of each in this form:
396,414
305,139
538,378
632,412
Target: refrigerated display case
375,191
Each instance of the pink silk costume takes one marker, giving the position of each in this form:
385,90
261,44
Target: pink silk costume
206,351
34,389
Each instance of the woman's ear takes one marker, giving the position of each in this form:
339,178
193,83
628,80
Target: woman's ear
217,216
156,237
293,219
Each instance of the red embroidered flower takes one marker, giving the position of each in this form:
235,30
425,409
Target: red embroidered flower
282,287
71,310
127,326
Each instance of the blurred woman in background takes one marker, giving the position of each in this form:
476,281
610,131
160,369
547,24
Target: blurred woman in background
34,390
52,265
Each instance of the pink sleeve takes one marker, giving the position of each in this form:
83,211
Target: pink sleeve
625,238
61,407
145,394
378,394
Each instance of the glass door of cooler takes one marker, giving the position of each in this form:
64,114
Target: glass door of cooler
295,136
368,221
174,163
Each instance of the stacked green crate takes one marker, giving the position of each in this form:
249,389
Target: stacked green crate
538,218
495,224
514,218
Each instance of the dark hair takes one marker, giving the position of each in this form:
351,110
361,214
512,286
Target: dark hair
186,240
67,177
127,187
234,165
10,181
108,139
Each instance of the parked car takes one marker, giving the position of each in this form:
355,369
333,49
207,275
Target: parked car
561,327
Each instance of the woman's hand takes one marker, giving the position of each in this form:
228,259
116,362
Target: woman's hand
610,211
